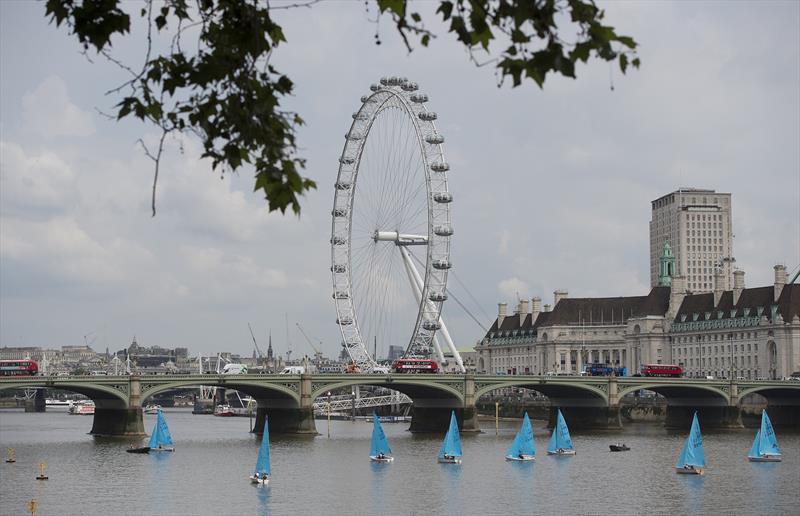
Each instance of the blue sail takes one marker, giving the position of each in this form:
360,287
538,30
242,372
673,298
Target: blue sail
160,435
523,442
560,438
755,450
262,464
768,444
379,442
692,453
452,441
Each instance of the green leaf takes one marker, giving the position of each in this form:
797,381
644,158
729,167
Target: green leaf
623,62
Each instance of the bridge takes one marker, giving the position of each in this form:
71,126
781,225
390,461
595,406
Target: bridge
288,400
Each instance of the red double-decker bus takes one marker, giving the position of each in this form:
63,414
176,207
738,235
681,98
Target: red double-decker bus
415,365
18,368
664,370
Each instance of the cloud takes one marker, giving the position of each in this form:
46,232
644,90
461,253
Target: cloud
33,184
512,288
48,111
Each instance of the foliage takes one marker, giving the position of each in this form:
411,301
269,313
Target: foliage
228,94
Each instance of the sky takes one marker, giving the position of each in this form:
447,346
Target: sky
551,187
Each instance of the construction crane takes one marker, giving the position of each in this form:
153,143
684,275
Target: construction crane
317,352
260,354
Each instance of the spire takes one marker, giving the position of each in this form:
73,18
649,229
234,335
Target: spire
269,348
666,266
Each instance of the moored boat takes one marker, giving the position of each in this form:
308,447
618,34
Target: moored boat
379,450
765,446
450,451
522,449
262,472
224,411
618,447
560,441
82,408
692,460
152,409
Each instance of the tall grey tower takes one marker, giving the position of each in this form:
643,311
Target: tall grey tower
697,225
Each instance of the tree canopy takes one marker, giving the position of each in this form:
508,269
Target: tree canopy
224,90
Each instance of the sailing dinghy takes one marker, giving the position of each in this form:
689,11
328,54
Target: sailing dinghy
522,448
379,451
765,445
692,460
161,439
261,474
450,452
560,441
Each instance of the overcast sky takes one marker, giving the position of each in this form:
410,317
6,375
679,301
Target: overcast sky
552,188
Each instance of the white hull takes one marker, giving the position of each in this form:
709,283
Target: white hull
261,481
690,471
161,449
375,458
525,458
562,452
450,460
765,458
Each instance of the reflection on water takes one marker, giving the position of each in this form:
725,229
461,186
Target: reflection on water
208,472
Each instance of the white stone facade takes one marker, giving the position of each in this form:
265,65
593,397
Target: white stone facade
740,333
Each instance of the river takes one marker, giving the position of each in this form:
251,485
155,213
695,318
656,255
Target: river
207,474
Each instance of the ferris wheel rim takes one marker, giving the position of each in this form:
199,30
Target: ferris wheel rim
439,228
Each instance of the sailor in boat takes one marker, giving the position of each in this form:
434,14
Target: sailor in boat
447,457
381,456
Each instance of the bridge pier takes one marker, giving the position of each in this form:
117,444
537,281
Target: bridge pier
285,420
437,419
680,416
118,422
587,417
37,404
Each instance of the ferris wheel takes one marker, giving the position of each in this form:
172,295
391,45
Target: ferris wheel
391,228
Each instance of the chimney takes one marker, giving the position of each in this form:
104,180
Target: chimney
546,308
718,287
523,309
536,307
738,285
780,280
558,295
501,313
677,292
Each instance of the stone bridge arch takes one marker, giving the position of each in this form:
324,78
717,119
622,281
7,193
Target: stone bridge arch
584,403
433,397
710,400
783,402
112,396
288,392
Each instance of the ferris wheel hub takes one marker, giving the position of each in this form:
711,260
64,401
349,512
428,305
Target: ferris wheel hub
399,238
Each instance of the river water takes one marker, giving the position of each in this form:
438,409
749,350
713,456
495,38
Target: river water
207,475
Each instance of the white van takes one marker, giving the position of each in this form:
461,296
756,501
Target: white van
293,370
234,369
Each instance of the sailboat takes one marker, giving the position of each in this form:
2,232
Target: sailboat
450,452
522,448
560,441
161,439
261,473
692,460
765,445
379,451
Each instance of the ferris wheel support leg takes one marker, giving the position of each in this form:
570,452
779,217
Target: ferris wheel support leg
417,282
416,286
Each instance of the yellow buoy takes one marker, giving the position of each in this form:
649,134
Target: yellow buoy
41,475
32,506
10,455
